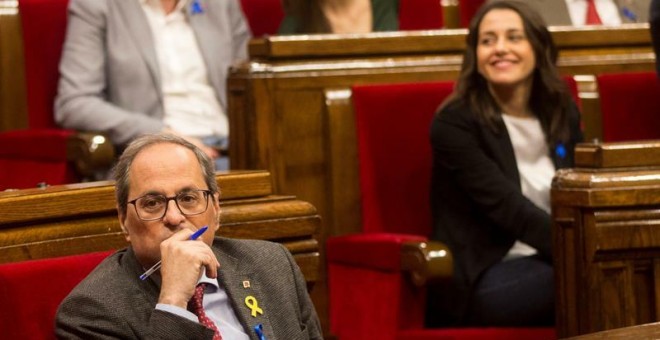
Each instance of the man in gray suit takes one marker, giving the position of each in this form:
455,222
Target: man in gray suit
573,12
131,67
250,288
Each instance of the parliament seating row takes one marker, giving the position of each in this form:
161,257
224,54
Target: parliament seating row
394,162
45,154
56,235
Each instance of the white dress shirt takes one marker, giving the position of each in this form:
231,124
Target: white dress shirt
190,103
535,168
607,11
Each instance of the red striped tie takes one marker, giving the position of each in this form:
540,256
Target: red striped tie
592,15
196,307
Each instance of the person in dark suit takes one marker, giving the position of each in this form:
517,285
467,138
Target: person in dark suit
574,12
654,19
497,141
166,191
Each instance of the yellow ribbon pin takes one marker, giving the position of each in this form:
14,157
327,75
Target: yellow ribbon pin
251,302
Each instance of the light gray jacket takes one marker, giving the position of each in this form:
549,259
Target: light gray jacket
109,74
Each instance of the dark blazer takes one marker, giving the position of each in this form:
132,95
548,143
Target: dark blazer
112,302
654,20
477,203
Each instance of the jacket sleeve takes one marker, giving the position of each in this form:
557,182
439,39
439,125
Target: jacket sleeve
81,100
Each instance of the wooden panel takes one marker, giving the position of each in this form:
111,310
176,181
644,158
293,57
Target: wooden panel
80,218
344,181
13,108
606,233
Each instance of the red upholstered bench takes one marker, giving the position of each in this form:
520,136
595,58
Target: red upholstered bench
31,291
371,293
629,106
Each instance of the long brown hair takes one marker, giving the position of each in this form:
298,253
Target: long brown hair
550,100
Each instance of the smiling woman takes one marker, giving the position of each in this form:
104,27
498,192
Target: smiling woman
497,141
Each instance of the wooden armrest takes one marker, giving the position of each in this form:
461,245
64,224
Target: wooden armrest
645,331
90,152
426,261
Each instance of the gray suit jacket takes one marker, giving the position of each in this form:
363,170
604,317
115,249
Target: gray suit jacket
113,303
109,74
555,12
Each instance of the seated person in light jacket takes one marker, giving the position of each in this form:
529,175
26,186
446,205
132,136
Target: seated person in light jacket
497,141
131,67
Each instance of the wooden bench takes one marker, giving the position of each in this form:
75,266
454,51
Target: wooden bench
606,220
81,218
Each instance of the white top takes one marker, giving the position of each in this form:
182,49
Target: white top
607,11
535,167
190,103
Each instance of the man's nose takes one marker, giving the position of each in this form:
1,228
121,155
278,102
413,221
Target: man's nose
173,215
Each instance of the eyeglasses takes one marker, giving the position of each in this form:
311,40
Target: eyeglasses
152,207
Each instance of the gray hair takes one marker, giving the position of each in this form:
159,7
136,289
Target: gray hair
121,170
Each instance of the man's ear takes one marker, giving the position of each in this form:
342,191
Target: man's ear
122,219
217,211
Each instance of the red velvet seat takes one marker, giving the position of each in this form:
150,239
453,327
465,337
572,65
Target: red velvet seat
263,16
31,291
370,295
630,106
43,152
428,14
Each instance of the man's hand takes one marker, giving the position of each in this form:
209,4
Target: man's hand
182,261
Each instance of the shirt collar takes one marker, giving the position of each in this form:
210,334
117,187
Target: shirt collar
208,280
180,5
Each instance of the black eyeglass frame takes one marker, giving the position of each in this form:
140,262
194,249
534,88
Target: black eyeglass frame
206,192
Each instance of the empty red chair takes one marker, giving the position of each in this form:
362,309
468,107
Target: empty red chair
31,291
630,106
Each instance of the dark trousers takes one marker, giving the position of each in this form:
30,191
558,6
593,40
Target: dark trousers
518,292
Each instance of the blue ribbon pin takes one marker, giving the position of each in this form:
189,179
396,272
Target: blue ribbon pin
196,7
560,150
259,329
629,14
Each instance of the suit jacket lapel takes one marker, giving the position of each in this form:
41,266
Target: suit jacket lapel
203,26
505,152
140,31
240,285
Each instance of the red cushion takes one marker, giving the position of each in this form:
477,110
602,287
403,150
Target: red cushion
629,106
35,144
31,291
263,16
420,15
29,157
374,250
547,333
467,9
393,122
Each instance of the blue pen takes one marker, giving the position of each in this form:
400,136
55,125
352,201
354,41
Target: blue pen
156,266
